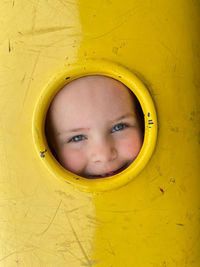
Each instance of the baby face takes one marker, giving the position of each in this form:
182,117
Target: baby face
93,127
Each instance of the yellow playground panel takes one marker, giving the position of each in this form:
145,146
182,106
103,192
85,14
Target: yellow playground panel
147,216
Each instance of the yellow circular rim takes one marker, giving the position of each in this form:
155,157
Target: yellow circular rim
66,75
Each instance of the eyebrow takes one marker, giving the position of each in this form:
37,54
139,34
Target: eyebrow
127,115
72,131
75,130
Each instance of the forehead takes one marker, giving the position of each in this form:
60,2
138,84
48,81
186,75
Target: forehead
92,89
93,100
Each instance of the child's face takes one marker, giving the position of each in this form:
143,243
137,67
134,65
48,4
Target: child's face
93,127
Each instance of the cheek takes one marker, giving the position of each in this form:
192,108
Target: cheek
72,160
130,146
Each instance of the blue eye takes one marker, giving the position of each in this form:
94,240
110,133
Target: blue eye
118,127
77,138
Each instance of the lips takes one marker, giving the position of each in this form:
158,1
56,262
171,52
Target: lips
105,175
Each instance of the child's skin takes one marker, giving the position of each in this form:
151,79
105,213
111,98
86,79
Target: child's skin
93,127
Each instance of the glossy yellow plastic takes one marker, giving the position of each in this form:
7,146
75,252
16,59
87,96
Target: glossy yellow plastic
149,215
95,67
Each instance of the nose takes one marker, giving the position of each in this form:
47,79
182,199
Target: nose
103,151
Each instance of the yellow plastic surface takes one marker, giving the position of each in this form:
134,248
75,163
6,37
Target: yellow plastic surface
153,218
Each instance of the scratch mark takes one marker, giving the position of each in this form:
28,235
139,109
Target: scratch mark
108,32
174,129
9,47
13,3
161,190
5,257
172,180
27,211
150,122
92,218
42,155
34,67
169,50
110,250
78,241
122,211
34,17
63,194
47,30
66,3
17,251
92,262
22,81
53,218
180,224
115,50
66,249
72,210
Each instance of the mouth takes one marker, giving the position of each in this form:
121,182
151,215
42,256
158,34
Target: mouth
105,175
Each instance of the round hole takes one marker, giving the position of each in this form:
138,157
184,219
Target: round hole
95,127
92,179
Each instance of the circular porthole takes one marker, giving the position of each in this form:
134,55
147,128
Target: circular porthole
68,77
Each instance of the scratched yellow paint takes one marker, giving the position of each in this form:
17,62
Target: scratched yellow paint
154,220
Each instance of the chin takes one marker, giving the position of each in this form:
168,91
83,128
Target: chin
108,174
